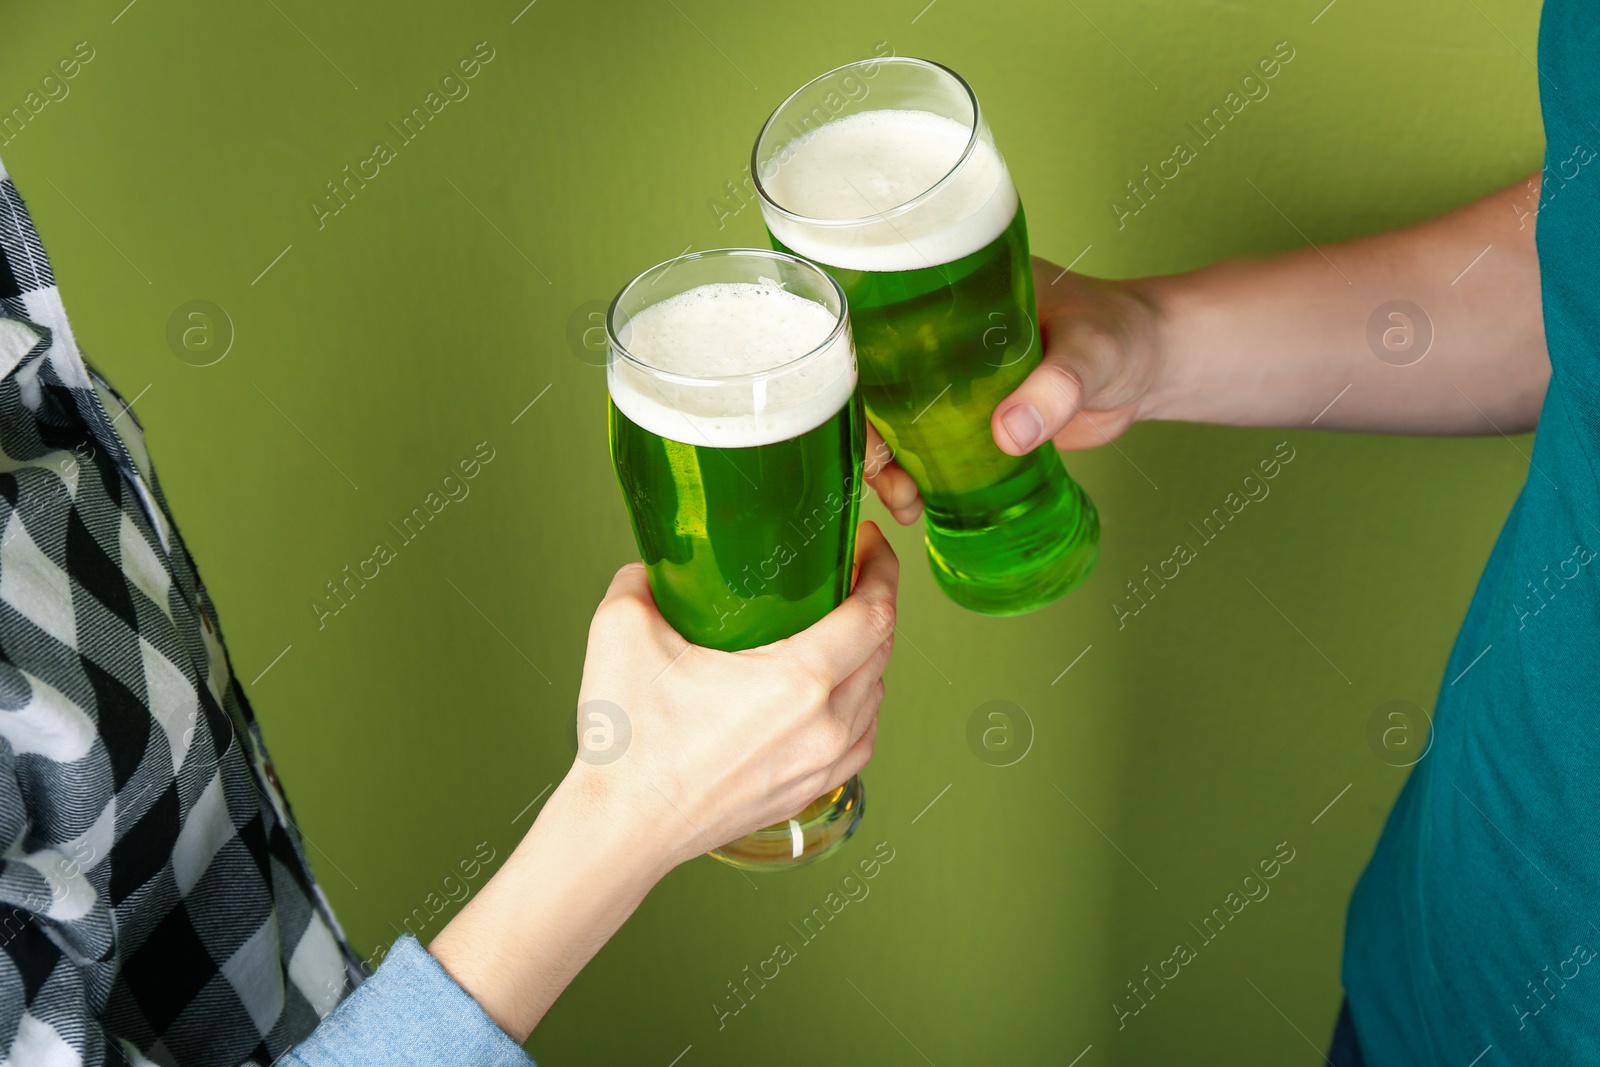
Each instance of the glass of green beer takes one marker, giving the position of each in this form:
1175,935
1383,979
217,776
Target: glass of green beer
737,437
885,172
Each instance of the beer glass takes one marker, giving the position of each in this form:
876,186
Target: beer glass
737,438
885,172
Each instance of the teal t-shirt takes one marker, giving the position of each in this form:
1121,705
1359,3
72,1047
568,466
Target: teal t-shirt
1476,925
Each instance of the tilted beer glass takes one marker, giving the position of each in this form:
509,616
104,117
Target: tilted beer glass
885,172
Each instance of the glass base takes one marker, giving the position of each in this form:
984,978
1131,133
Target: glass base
824,825
1023,558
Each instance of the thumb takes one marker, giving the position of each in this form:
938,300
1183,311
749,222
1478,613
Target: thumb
1101,352
1040,407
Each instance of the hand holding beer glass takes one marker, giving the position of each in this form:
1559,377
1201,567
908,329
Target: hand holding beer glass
737,438
885,172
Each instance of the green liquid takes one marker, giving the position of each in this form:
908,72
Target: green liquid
938,349
744,546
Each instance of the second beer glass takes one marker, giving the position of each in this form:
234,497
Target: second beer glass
885,173
737,438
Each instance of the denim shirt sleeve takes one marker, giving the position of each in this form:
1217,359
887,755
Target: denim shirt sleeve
409,1012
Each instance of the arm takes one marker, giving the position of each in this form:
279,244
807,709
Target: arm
1272,341
1269,342
719,745
723,743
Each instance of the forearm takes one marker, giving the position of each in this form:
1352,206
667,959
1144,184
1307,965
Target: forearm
563,892
741,740
1273,341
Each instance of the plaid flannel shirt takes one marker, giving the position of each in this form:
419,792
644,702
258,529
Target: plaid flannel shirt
155,900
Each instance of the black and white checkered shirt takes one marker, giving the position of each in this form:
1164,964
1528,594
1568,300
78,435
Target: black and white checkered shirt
155,901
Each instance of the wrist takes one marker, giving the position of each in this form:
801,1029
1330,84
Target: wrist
1165,302
592,807
565,889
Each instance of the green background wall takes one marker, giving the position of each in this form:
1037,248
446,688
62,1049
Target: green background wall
426,315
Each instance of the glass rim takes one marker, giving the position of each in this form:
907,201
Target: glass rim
886,213
841,318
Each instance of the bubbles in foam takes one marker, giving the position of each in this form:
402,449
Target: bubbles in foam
869,163
712,332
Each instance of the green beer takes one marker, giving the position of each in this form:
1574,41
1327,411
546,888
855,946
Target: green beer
910,207
737,438
744,546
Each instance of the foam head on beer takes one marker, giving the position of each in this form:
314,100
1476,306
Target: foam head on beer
866,167
719,335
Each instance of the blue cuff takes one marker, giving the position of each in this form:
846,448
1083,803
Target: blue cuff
410,1012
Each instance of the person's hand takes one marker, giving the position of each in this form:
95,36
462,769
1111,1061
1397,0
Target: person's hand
720,744
1102,357
705,747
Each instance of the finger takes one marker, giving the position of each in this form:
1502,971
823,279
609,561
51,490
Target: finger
899,493
1051,394
878,456
895,488
628,613
851,763
854,698
630,582
1077,353
1040,407
850,634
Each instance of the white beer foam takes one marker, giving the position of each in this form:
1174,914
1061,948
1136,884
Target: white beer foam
715,331
874,161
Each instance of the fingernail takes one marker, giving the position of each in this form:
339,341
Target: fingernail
1024,425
